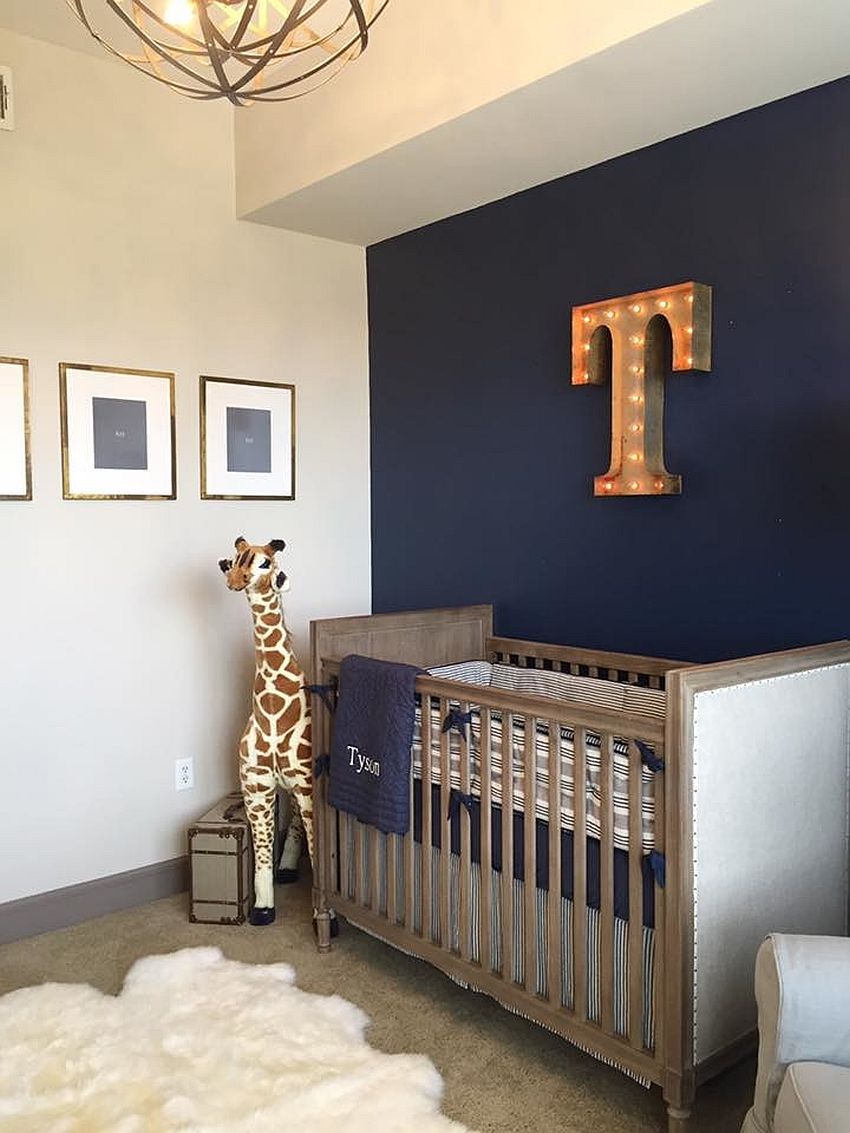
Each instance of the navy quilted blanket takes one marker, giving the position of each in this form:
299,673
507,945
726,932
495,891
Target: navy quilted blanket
373,731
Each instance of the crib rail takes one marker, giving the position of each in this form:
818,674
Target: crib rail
545,956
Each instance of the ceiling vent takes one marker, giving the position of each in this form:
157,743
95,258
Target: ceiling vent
7,105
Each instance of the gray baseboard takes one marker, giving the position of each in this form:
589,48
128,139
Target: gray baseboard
60,908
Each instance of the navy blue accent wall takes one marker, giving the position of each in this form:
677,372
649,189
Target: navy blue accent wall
483,454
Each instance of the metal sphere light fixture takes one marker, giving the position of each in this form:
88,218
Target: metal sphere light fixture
243,50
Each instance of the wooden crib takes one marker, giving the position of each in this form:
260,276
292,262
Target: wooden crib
749,836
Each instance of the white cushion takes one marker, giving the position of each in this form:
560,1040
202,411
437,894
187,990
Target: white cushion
814,1098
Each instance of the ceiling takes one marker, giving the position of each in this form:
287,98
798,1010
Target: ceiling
454,105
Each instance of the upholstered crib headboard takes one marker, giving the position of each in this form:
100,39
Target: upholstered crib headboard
418,637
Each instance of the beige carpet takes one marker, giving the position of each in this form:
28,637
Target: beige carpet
501,1073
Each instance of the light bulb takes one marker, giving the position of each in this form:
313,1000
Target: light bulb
689,330
585,318
634,427
663,304
659,485
633,484
636,308
636,339
609,314
608,486
587,346
689,298
635,369
690,360
179,13
634,456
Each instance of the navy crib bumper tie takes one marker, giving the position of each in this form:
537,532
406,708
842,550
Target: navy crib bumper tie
322,766
326,693
457,799
658,866
648,757
457,720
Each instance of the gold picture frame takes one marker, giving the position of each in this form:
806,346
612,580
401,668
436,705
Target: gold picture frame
234,464
83,477
19,437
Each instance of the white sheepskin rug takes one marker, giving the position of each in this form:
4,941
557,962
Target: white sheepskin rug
201,1044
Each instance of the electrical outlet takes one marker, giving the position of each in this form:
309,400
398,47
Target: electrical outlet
184,774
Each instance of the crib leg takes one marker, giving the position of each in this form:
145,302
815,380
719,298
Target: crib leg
678,1120
322,921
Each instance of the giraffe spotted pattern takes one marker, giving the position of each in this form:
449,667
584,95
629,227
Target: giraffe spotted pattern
275,749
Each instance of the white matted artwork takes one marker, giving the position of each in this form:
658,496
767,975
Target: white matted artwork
117,433
15,466
247,440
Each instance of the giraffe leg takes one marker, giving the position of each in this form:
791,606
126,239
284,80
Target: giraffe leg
287,869
304,802
258,791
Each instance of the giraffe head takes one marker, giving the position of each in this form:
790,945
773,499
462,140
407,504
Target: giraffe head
254,568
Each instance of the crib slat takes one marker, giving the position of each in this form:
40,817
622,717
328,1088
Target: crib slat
374,842
555,935
485,886
344,853
359,872
446,839
427,823
464,903
660,912
579,964
606,893
392,880
635,897
507,847
529,848
409,867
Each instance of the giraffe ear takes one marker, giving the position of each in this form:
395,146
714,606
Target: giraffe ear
241,541
276,545
224,565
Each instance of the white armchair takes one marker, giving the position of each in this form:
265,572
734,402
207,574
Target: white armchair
803,996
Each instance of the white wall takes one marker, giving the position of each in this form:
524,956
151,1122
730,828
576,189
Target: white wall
121,647
426,64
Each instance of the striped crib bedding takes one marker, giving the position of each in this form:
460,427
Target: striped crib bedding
357,886
556,685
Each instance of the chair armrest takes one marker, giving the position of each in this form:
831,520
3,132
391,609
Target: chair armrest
803,994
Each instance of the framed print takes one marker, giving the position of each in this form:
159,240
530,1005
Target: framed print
247,440
15,465
117,433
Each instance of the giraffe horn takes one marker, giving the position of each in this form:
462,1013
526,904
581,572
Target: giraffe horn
240,539
277,544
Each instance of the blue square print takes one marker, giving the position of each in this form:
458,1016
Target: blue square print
249,440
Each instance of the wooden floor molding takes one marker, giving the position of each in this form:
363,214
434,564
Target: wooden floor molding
60,908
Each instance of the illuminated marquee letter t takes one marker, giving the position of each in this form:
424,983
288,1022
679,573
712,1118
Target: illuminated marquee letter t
627,336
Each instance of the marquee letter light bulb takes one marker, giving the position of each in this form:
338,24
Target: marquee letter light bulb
637,376
179,13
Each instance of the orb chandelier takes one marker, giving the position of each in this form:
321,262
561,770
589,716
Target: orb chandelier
244,50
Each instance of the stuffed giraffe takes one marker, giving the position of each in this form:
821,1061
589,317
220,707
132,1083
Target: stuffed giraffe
275,749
